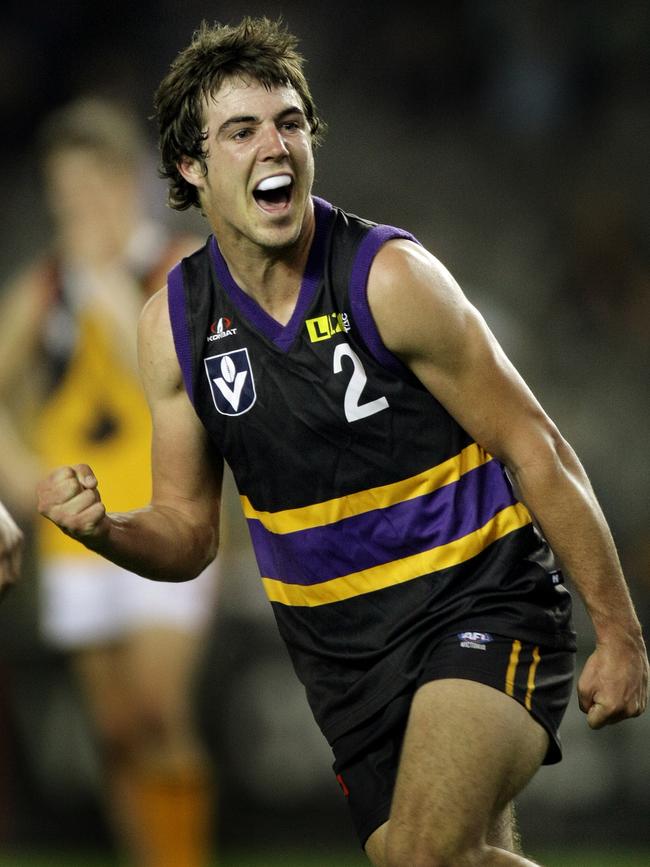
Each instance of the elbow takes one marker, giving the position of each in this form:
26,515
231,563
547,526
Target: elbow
203,553
189,545
560,453
189,562
546,459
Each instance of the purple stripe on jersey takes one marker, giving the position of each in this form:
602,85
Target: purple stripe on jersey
282,335
250,308
180,330
314,268
381,536
361,313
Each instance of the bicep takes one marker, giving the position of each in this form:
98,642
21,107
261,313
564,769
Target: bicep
445,341
186,471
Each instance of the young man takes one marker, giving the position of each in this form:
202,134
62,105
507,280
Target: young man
377,434
69,381
11,547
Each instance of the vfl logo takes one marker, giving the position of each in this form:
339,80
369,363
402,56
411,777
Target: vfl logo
231,381
324,327
221,328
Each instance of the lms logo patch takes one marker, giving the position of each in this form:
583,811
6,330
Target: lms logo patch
231,381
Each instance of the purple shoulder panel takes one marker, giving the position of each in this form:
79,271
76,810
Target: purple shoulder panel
180,330
361,313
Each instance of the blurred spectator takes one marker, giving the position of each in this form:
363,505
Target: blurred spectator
69,386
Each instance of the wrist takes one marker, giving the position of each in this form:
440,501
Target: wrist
628,631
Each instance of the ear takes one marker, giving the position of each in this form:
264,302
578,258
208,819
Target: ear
192,170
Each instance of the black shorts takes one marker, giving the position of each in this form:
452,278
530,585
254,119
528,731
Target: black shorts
367,757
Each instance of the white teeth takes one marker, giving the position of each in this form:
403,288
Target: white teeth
274,183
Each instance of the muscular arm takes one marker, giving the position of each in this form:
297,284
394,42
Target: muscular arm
176,535
446,343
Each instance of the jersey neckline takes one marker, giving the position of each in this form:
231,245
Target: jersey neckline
281,335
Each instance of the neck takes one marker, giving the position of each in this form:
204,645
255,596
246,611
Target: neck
270,275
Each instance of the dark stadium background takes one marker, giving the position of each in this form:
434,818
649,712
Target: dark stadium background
513,139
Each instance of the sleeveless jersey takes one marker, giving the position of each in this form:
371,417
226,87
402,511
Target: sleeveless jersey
379,526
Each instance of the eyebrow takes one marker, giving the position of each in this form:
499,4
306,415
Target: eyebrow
251,118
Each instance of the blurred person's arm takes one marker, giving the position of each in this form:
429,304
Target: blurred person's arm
21,312
176,535
110,284
11,547
445,342
112,295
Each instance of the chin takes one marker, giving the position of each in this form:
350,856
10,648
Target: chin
279,237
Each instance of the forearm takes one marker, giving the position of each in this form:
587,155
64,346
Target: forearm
20,468
558,493
157,542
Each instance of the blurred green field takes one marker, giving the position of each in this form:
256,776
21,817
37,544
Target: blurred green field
583,858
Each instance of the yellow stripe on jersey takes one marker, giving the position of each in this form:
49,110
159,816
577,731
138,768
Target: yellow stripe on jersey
400,571
330,511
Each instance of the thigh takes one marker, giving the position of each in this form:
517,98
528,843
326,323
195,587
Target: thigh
99,672
158,665
467,751
144,680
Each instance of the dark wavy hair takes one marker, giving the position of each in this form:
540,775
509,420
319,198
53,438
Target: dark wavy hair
256,48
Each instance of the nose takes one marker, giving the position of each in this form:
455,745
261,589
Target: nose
273,145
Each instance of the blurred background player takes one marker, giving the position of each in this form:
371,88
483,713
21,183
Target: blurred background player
69,383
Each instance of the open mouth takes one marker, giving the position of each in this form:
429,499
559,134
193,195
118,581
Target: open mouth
274,193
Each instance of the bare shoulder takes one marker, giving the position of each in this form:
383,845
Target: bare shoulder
159,365
155,314
27,292
415,300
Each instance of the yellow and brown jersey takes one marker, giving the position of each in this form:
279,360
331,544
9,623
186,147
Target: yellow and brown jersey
93,406
379,526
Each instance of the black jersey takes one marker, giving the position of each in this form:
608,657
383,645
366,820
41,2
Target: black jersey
378,524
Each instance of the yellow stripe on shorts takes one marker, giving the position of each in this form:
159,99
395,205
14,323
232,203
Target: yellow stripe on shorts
512,667
531,678
511,673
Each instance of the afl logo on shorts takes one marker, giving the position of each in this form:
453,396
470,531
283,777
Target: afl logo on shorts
231,381
475,640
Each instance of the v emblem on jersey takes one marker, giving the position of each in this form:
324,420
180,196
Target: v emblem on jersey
231,381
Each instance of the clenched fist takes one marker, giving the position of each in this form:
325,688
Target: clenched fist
11,549
69,497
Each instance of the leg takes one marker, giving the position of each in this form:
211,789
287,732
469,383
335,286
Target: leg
157,780
172,780
468,750
502,834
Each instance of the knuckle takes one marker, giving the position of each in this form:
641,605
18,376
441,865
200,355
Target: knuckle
61,474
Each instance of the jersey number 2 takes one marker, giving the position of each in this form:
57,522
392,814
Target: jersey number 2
354,409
